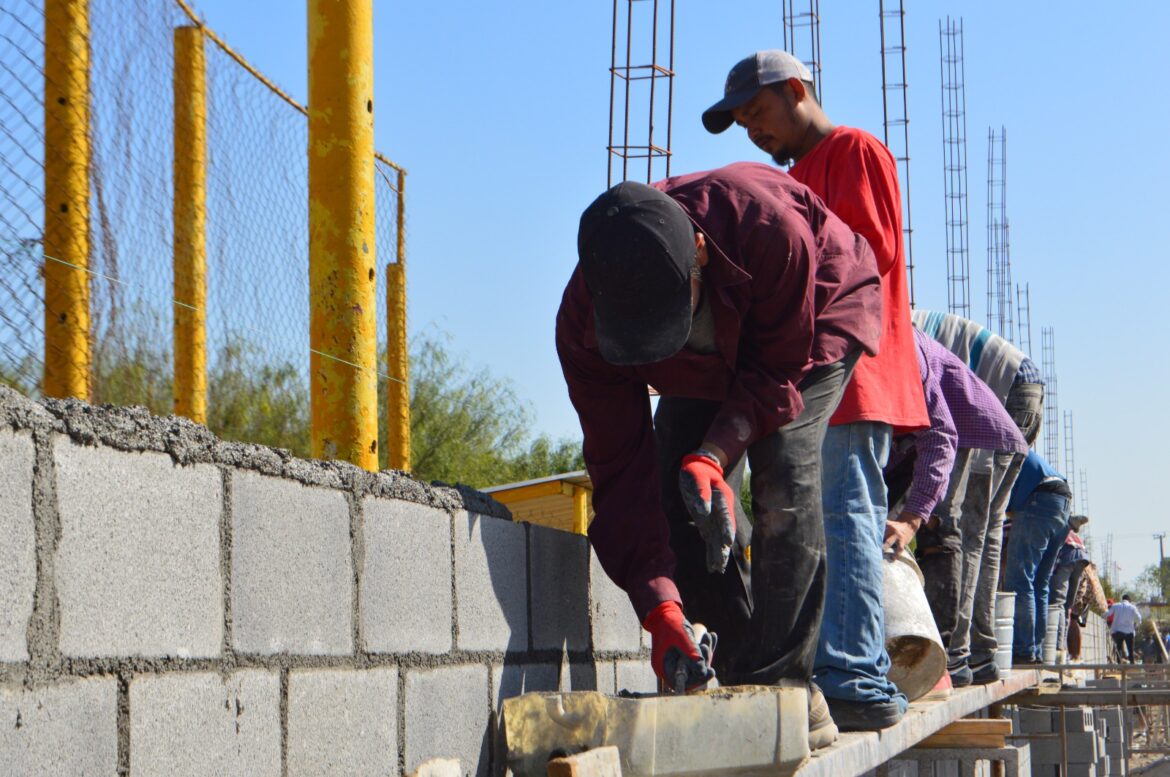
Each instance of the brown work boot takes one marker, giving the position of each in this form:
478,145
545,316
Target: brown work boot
822,731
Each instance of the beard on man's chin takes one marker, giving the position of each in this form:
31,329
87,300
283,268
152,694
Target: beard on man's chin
782,158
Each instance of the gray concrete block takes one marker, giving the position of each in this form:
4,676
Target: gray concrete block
197,724
615,625
342,722
1081,770
515,679
1081,748
491,583
1103,767
292,568
1035,721
447,716
1115,749
1118,767
584,676
1078,719
406,578
137,568
559,571
636,676
18,562
65,729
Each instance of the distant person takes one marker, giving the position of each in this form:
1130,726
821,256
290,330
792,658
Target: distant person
741,299
1071,561
1123,622
1016,380
1039,506
770,94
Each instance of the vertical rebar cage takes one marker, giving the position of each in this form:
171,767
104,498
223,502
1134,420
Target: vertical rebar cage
802,38
954,120
641,90
895,115
1051,412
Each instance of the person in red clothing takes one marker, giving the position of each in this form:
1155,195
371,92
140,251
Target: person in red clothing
770,94
745,303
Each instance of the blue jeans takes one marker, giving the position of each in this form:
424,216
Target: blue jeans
1039,528
851,660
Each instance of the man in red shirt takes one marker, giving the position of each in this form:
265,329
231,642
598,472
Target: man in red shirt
770,94
745,303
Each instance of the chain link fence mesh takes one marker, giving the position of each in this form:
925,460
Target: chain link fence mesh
257,307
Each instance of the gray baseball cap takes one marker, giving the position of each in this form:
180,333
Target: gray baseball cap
745,79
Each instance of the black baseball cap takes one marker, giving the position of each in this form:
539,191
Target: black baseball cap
745,80
636,247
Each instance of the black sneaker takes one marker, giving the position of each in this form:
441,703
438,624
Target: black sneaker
985,675
960,675
864,715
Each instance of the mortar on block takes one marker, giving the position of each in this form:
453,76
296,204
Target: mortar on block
737,730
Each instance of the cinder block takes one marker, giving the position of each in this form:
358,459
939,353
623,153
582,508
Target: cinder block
1118,767
447,716
18,562
1103,767
515,679
636,676
1078,719
559,564
292,569
588,676
137,568
1081,770
1115,749
70,728
197,724
615,625
1035,721
1081,748
491,583
343,722
406,579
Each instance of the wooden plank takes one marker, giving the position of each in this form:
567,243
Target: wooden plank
1000,726
598,762
963,740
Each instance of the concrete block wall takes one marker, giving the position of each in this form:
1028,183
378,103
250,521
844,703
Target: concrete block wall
172,603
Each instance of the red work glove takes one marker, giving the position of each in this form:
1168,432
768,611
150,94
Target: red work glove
711,503
678,660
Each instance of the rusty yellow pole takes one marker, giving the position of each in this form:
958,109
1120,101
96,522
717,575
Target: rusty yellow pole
580,510
397,357
190,216
66,239
342,274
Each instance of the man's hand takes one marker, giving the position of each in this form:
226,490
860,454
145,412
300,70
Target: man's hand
711,503
679,661
901,530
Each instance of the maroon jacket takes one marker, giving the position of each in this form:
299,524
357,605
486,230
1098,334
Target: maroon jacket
790,288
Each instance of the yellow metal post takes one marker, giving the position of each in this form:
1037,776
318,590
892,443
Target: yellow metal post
190,216
580,510
397,357
66,239
342,274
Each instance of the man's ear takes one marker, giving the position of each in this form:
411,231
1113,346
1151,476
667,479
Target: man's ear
798,90
701,249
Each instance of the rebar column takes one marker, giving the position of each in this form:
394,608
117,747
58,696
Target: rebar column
342,270
66,237
397,356
190,218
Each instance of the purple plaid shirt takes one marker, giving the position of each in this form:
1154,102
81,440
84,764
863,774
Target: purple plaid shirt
964,413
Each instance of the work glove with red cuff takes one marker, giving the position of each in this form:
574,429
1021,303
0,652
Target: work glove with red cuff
711,503
682,663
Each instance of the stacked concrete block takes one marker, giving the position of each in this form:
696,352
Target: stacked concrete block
206,724
615,625
342,722
406,578
18,566
1109,719
69,728
138,564
447,716
559,570
292,573
491,584
1082,745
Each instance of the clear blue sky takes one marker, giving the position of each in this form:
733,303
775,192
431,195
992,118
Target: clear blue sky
500,113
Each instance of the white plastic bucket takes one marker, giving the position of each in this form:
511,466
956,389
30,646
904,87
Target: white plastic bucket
1051,632
917,658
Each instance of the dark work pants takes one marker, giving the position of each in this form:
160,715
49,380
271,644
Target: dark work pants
1124,644
767,613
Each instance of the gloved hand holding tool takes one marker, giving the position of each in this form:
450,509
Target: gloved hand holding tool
711,503
682,663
